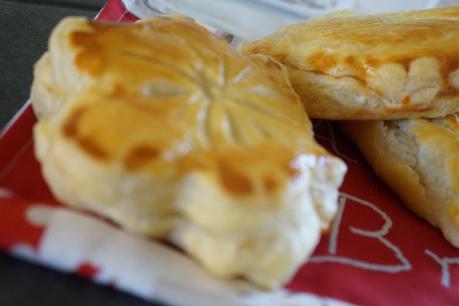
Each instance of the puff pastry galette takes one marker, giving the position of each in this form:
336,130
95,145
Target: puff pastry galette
162,127
381,66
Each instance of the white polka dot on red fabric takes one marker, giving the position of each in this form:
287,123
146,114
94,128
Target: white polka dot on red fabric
24,251
39,215
5,193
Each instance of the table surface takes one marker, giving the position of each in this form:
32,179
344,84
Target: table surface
26,25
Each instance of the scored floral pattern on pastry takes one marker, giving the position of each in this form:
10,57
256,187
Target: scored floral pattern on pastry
227,98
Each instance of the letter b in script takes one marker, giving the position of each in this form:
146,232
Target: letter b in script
362,243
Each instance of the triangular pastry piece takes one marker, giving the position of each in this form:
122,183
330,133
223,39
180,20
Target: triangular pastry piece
419,160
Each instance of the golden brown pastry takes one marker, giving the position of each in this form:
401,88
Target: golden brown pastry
165,129
381,66
419,160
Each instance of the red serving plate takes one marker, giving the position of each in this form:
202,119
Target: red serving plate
376,253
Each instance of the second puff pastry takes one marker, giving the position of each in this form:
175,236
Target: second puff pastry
166,130
419,160
381,66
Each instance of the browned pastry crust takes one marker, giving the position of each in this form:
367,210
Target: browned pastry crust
379,66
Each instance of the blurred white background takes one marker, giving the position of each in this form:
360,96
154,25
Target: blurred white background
254,19
393,5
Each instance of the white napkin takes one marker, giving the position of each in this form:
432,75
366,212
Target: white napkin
246,20
254,19
138,265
